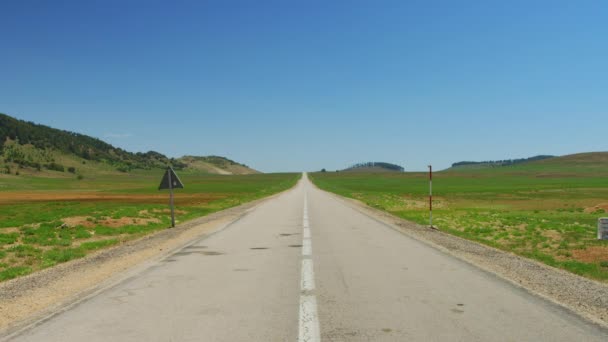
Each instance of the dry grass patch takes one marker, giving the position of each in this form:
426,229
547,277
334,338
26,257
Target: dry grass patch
90,222
591,254
597,207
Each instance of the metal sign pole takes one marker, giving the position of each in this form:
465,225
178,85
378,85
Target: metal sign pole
431,196
171,201
171,181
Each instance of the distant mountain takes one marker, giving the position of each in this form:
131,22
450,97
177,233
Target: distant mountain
498,163
374,167
38,148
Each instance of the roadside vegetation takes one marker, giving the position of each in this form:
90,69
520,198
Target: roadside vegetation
48,220
546,210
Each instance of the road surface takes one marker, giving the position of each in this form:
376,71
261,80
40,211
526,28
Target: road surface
304,266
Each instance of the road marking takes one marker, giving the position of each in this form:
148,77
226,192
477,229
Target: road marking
309,330
308,276
309,322
306,233
306,247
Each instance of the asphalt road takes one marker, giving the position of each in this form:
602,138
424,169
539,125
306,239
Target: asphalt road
306,267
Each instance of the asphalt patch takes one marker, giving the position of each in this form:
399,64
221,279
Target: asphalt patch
197,252
211,253
196,247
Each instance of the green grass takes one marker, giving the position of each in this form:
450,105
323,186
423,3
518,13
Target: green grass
545,210
111,207
13,272
8,239
93,245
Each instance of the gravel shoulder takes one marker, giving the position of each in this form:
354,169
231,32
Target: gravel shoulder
584,297
33,298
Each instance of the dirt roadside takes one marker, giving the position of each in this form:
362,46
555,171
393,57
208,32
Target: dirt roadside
584,297
31,298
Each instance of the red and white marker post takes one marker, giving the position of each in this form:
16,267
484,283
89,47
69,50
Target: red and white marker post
431,196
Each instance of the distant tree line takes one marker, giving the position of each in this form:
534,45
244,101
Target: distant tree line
382,165
505,162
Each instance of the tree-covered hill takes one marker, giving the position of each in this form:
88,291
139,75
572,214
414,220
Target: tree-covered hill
45,138
30,146
375,166
497,163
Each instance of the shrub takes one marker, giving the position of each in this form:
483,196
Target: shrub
55,167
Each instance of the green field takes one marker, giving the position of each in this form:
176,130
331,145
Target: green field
46,220
545,210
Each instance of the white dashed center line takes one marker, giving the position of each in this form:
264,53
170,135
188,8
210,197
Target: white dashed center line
309,330
308,276
306,247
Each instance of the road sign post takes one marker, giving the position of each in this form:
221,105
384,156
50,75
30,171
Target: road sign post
171,181
171,202
430,196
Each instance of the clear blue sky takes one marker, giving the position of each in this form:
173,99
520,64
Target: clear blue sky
303,85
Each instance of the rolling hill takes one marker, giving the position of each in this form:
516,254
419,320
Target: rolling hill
39,150
496,163
215,164
573,163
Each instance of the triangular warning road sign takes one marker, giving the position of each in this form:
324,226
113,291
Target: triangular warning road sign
170,181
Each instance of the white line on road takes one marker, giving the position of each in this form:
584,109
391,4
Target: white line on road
306,247
308,276
309,330
309,322
306,233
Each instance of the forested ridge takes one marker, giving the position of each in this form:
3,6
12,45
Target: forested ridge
504,162
31,145
381,165
88,148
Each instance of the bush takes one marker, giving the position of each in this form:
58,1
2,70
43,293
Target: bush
55,167
71,169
